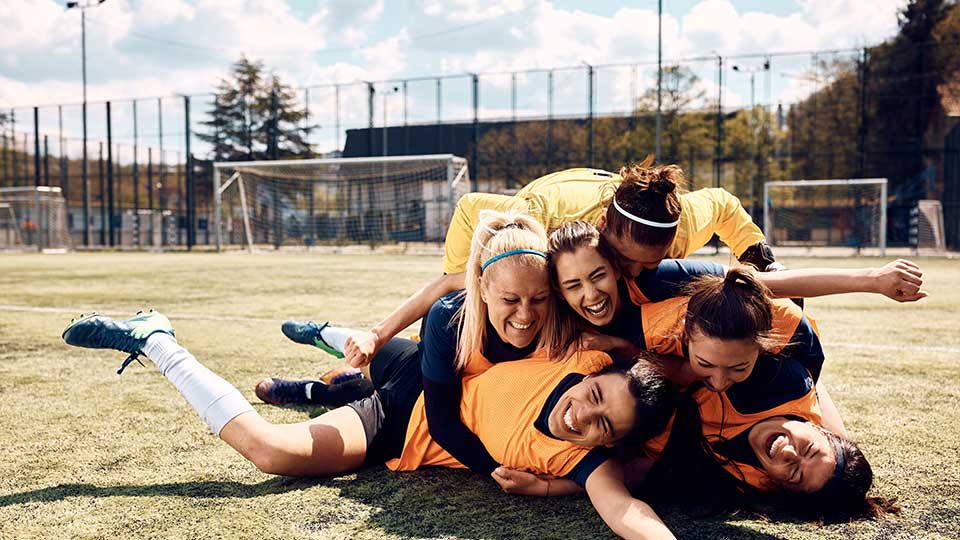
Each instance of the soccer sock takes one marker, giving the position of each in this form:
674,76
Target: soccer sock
215,400
336,337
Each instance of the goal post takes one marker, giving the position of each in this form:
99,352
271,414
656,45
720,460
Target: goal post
338,201
34,216
836,212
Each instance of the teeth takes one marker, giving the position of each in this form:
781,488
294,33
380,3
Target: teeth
597,308
777,445
519,326
568,420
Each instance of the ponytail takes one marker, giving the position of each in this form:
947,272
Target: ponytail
735,306
646,206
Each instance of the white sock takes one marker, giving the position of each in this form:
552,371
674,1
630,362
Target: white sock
215,400
337,337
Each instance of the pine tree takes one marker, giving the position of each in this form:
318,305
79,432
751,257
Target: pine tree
255,116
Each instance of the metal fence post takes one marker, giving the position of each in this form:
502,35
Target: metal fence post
191,192
475,155
36,146
370,94
589,115
136,180
110,174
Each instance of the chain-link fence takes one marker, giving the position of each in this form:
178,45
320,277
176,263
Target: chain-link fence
136,173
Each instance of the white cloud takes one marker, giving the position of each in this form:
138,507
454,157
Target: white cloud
467,11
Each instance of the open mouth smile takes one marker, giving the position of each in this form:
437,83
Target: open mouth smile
568,420
519,326
599,309
775,444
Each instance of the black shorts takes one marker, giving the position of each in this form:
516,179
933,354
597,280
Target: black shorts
397,381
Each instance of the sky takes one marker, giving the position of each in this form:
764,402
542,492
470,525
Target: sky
154,48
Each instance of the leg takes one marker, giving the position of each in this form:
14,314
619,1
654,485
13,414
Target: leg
330,444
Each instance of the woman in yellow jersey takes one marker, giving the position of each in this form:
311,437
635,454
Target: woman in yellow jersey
642,213
547,417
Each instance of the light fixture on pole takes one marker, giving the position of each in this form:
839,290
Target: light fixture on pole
752,71
386,94
83,6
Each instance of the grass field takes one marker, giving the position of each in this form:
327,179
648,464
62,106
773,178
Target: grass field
87,454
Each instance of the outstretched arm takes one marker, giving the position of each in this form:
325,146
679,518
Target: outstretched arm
539,485
628,517
899,280
361,348
829,412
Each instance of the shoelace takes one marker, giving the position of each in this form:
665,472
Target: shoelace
133,356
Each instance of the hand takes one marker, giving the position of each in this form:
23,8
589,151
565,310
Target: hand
591,341
360,349
521,482
899,280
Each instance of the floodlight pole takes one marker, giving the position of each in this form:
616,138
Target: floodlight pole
752,71
658,155
83,6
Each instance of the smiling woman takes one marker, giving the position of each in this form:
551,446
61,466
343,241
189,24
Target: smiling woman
537,415
733,453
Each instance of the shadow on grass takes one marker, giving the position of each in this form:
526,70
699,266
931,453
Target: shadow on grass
448,503
426,503
200,490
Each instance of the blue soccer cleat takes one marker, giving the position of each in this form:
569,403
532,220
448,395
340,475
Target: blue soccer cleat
285,392
97,331
308,333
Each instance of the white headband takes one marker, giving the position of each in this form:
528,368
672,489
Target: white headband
639,219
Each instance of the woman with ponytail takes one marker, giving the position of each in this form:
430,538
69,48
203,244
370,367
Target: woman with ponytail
643,212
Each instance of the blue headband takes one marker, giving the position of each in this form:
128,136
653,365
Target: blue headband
496,258
833,484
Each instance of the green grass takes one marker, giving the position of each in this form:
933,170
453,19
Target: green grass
87,454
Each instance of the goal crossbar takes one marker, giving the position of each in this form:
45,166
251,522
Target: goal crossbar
289,201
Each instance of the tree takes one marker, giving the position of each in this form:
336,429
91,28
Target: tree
681,125
255,116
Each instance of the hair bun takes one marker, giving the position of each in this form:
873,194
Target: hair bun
666,180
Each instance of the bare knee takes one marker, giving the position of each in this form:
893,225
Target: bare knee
264,450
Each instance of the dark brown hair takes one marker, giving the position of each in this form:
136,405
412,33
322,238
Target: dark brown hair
655,398
735,306
688,469
650,192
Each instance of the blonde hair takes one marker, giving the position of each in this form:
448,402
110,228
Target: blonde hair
497,233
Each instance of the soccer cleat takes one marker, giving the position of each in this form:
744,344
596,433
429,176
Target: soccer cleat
97,331
284,392
308,333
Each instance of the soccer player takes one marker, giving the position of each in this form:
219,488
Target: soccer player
641,213
549,417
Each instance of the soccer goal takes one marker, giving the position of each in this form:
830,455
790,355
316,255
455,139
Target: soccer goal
841,213
337,201
33,216
926,227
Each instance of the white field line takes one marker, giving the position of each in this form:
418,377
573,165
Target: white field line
75,312
874,347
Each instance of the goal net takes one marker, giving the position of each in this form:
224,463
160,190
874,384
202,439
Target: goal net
338,201
843,213
33,217
926,226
